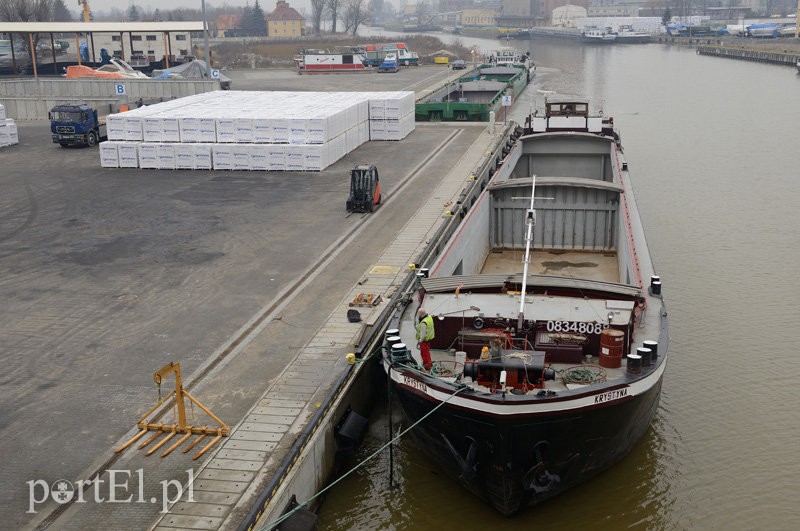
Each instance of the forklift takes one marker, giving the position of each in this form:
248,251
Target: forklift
365,189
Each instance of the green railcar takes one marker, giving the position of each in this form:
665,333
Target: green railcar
473,96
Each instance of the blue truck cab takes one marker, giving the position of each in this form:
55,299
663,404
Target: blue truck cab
76,125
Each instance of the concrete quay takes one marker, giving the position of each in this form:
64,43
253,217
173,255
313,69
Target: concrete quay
240,276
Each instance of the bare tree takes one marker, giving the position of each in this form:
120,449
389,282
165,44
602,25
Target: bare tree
317,8
26,11
333,8
355,14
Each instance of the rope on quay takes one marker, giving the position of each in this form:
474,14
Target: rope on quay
271,525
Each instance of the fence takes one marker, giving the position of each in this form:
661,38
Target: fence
31,99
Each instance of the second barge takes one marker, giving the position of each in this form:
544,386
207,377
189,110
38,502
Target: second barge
473,97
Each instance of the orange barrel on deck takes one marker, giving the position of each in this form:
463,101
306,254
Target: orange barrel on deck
612,342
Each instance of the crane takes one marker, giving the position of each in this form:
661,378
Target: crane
85,4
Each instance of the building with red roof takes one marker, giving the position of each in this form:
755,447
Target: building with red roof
285,21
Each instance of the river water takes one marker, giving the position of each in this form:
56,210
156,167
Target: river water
713,148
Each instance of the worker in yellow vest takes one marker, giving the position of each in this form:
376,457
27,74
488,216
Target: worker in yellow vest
425,333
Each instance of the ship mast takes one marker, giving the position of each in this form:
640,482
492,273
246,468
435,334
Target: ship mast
530,221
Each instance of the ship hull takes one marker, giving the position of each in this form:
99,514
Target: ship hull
518,461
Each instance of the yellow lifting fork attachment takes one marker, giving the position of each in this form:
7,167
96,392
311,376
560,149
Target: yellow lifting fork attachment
175,398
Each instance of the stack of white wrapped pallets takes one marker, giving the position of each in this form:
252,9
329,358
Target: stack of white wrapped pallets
8,129
391,115
237,130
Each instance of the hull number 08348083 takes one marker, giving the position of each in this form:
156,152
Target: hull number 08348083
579,328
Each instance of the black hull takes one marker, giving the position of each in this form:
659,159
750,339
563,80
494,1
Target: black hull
633,40
514,463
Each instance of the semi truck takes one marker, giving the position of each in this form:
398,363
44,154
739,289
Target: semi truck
76,125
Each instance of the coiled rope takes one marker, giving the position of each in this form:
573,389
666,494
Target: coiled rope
271,525
584,375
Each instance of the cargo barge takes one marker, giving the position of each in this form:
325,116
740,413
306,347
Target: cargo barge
540,331
474,96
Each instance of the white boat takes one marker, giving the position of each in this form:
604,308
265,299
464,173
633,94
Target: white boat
627,35
118,66
595,35
337,60
512,57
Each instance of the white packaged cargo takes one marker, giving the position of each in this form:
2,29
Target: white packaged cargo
351,139
115,127
297,131
280,131
222,156
109,156
259,157
128,154
202,156
207,131
377,129
316,130
339,149
277,157
241,156
337,121
148,155
166,156
410,123
262,131
377,109
170,130
151,129
315,157
11,128
133,128
226,130
184,156
295,158
189,129
2,112
393,109
5,139
394,130
244,130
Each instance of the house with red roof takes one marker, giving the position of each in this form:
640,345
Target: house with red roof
285,21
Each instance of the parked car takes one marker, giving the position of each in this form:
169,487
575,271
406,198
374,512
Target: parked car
459,64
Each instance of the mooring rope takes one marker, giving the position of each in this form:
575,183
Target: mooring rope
365,461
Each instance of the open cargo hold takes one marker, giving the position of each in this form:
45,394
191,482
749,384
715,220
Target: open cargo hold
272,131
473,97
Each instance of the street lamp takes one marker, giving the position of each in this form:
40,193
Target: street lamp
205,39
